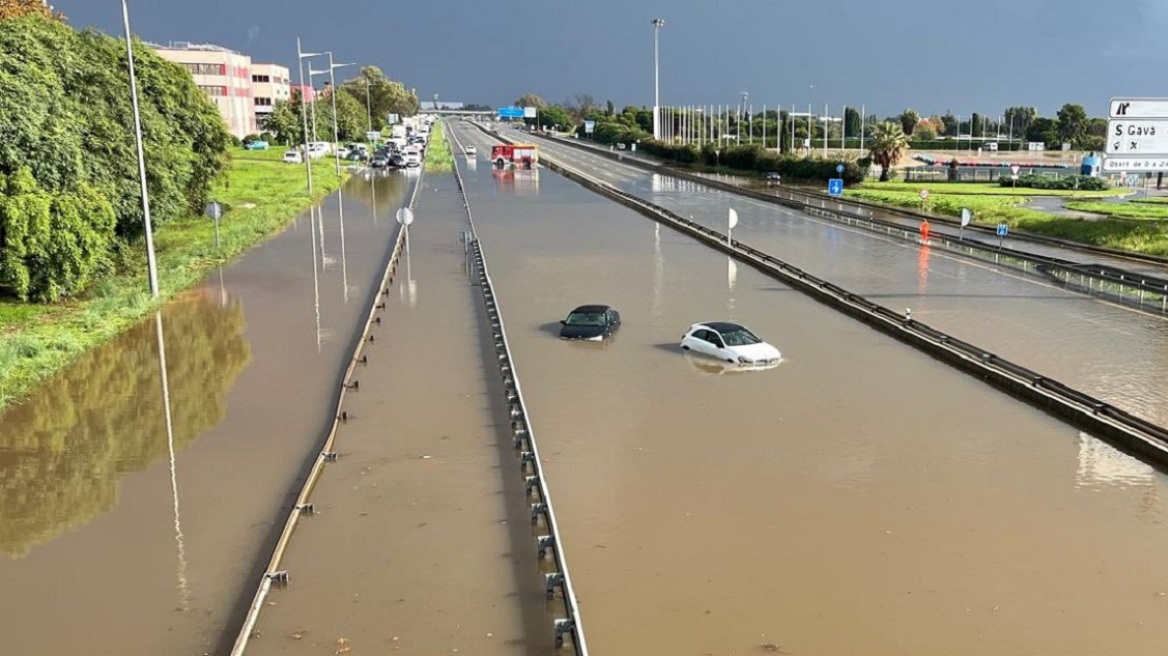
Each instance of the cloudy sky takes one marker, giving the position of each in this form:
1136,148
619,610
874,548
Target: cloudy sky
980,55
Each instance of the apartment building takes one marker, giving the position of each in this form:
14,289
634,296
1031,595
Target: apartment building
270,83
225,76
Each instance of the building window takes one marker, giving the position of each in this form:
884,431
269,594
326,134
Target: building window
261,79
263,102
214,90
206,69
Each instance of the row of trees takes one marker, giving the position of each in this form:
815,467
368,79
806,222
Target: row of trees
1071,124
69,190
363,103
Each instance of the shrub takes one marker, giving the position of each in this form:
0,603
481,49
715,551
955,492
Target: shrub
1080,182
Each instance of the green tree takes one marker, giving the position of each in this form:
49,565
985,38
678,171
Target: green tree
352,117
530,100
1018,119
1073,124
385,96
889,145
852,121
610,108
951,124
51,244
1043,130
976,125
553,115
908,121
284,121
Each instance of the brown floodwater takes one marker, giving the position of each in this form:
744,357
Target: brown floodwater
860,498
119,537
421,540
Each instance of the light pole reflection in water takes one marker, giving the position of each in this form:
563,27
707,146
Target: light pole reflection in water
344,261
184,592
315,275
658,270
923,270
731,278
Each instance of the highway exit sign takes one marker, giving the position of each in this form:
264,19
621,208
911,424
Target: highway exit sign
1138,108
1137,135
1143,136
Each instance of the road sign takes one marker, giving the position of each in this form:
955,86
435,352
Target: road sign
732,218
405,216
924,194
835,187
529,112
1137,136
372,135
1003,229
1138,108
510,112
215,211
1116,164
839,168
966,217
589,127
1014,168
394,119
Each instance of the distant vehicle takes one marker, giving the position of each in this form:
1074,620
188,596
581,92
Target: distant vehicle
620,146
356,156
773,178
591,322
729,342
256,145
379,162
397,161
471,150
413,157
343,152
293,157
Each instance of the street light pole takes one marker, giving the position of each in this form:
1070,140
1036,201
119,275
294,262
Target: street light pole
657,23
300,57
333,93
150,262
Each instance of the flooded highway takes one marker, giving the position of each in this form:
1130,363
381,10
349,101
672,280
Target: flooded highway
119,538
860,498
1106,350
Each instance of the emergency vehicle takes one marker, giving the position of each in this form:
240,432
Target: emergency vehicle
521,155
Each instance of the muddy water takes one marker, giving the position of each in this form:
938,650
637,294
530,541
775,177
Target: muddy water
858,499
1106,350
421,539
119,538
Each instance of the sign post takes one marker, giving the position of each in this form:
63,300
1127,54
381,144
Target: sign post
215,211
966,217
924,194
1137,135
1014,168
835,187
1003,230
732,220
510,112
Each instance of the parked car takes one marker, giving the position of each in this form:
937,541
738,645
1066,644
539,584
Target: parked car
729,342
293,157
379,162
256,145
592,322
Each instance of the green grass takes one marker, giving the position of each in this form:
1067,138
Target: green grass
1156,211
261,195
1148,237
984,189
439,157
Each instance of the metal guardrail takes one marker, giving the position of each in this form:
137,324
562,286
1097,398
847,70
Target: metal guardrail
273,575
1145,292
523,433
807,197
1121,428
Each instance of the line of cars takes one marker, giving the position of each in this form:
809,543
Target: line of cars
724,341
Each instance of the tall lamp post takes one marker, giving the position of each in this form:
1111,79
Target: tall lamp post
333,93
657,23
300,57
150,263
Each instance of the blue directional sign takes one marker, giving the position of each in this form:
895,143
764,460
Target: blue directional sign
835,187
1003,229
839,168
510,112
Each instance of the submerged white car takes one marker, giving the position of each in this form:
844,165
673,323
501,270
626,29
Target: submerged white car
729,342
471,150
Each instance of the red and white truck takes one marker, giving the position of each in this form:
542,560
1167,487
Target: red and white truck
523,156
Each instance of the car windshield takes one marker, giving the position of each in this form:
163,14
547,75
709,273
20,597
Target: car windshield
585,319
740,337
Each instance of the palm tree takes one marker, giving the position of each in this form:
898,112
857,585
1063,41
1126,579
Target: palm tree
888,146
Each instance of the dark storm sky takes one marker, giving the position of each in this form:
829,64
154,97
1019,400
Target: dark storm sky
934,55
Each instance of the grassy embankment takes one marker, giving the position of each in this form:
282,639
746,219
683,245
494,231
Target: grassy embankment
36,340
992,204
439,157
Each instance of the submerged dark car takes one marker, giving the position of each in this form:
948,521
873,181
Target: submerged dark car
594,322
